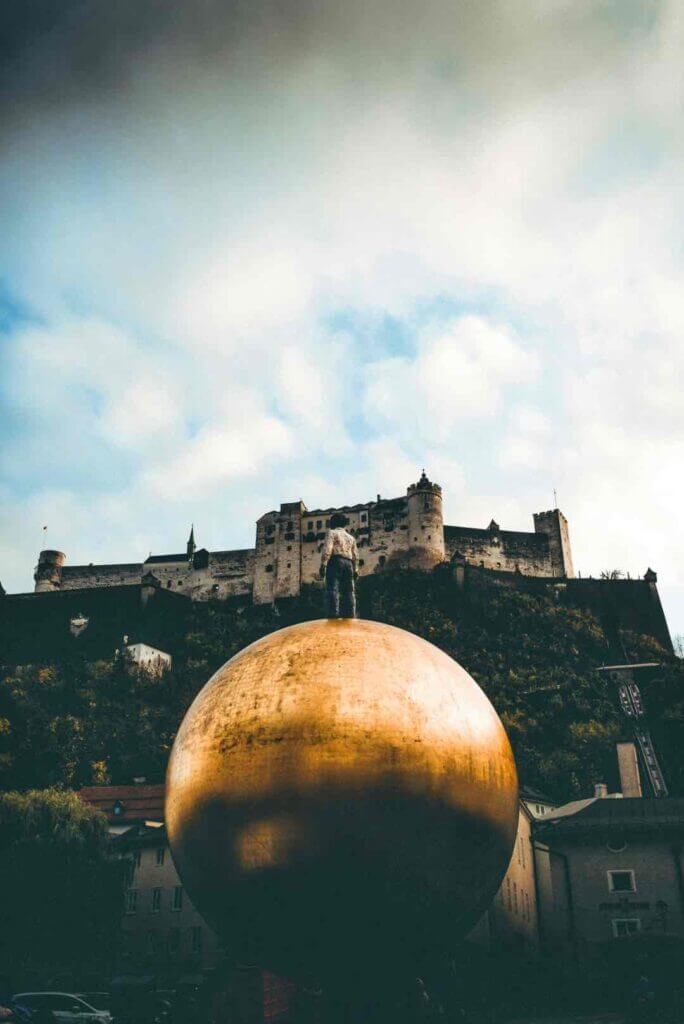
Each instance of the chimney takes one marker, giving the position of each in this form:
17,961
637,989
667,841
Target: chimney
628,766
600,791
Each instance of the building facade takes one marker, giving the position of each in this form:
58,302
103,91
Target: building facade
610,868
405,531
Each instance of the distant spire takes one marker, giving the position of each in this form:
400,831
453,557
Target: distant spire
191,542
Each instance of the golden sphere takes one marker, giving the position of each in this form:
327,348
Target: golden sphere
340,794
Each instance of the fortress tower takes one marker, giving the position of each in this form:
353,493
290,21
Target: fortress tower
555,526
48,574
425,525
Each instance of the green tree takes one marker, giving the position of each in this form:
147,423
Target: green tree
60,889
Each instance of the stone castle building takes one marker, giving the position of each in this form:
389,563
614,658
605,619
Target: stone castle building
405,531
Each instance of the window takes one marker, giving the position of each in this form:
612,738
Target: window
310,527
174,940
177,898
269,568
196,940
381,560
623,926
156,900
131,901
621,881
319,524
289,565
161,854
364,517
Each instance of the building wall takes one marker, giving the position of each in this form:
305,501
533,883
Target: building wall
578,906
554,525
80,577
164,936
527,553
512,919
513,915
227,574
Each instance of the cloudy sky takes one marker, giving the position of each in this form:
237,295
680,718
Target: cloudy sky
257,251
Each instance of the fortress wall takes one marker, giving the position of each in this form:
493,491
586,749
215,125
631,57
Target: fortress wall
507,550
388,539
313,539
229,574
80,577
176,576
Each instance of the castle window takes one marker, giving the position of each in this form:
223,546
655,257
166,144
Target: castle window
268,568
177,898
289,565
169,583
364,517
621,881
289,547
270,528
310,526
289,525
319,524
361,561
381,560
624,926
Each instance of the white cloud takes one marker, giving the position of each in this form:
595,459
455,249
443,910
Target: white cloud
501,183
462,373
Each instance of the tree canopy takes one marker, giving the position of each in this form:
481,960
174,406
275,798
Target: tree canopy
72,723
60,889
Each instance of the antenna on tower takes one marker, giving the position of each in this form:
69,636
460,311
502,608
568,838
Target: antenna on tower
555,498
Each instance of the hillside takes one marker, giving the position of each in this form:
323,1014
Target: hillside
74,722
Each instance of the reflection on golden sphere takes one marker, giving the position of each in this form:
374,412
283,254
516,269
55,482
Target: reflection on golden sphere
341,793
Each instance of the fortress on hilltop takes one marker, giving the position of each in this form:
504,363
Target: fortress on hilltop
97,607
407,531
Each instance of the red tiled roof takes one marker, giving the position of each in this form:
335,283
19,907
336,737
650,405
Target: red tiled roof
137,803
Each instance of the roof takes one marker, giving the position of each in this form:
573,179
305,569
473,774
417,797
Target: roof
601,813
141,802
233,553
166,558
541,539
97,570
364,507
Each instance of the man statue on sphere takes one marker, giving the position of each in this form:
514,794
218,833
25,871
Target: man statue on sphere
340,567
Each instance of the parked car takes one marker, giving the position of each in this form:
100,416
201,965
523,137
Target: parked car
64,1007
100,1000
